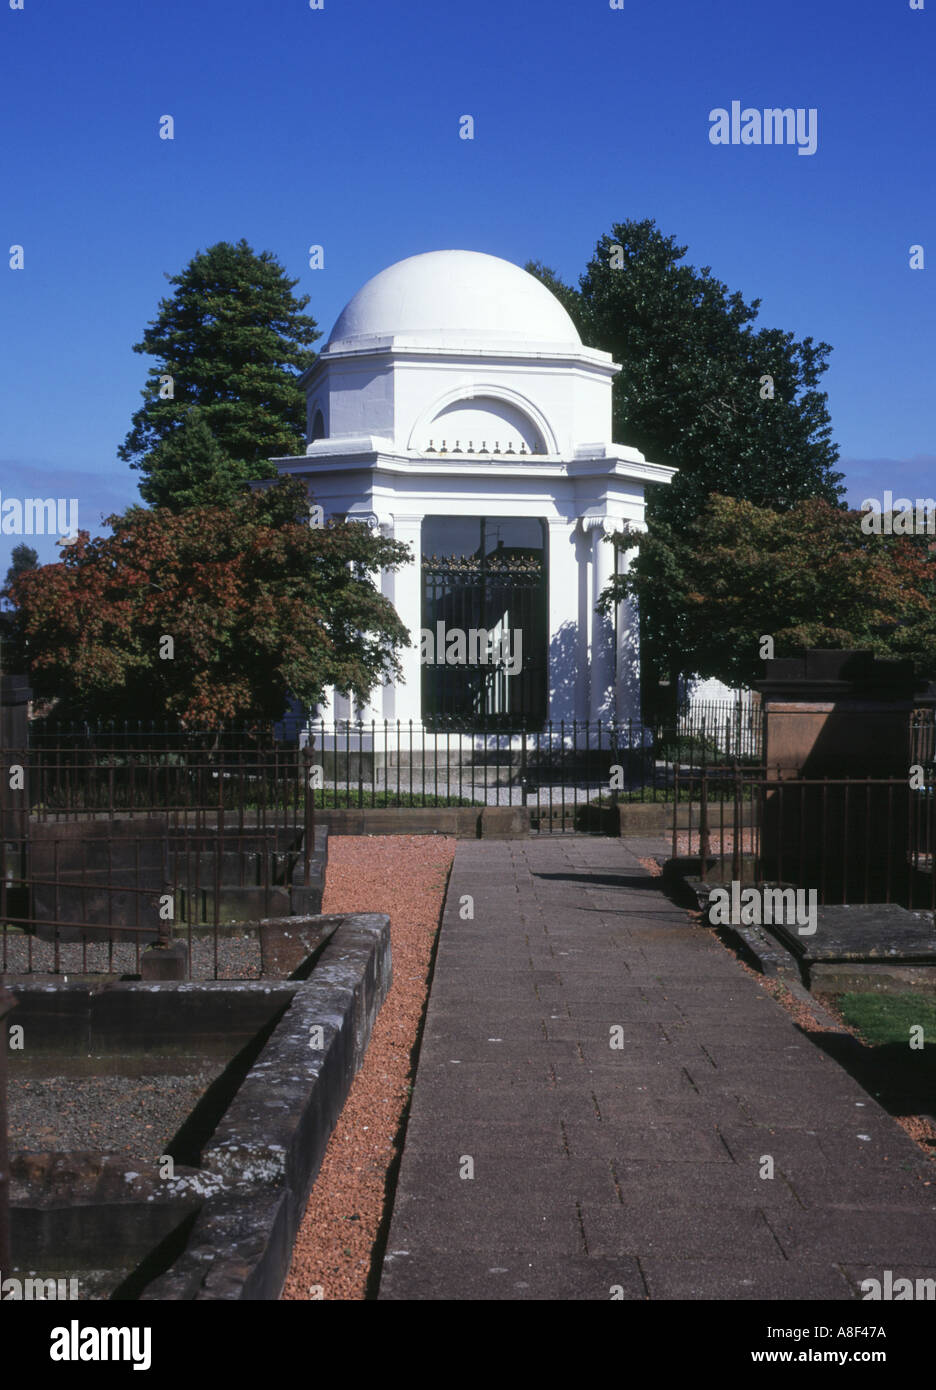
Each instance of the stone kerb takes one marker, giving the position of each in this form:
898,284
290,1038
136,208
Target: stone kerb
269,1146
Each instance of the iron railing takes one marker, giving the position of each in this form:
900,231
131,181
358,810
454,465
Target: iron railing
567,774
854,840
105,850
7,1002
731,728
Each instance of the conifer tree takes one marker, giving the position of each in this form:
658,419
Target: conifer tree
233,341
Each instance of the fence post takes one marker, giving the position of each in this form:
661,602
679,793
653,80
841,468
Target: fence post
308,819
703,820
7,1002
218,861
737,827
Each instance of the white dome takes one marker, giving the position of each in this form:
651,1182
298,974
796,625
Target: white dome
455,299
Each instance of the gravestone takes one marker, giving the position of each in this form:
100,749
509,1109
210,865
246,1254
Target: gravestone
99,880
838,715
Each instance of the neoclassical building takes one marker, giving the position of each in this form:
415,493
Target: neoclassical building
456,408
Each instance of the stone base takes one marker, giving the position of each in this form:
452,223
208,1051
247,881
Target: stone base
287,942
505,823
165,962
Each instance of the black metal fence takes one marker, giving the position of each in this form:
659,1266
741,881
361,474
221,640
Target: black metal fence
566,774
108,849
730,728
854,840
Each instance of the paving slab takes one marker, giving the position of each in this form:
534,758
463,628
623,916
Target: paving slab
599,1086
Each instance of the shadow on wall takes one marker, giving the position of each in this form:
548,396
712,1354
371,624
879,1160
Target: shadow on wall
564,675
569,684
603,640
628,662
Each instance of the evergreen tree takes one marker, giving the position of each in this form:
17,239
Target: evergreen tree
22,558
233,341
691,392
190,469
736,409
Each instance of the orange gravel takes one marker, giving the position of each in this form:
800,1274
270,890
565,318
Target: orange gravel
720,842
405,876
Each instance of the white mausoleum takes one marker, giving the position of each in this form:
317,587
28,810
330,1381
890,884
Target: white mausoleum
456,408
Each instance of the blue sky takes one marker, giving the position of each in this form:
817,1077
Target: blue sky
339,127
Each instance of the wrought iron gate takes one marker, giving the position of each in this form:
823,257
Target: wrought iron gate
484,635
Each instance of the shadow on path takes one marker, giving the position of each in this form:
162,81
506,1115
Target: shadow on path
902,1081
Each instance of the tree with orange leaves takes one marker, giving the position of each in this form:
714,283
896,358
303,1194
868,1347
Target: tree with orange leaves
212,615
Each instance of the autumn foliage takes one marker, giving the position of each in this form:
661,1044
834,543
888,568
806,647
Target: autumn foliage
808,577
256,603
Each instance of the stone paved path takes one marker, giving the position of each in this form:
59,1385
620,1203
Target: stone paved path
634,1171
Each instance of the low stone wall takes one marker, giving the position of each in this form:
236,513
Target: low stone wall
462,821
84,1214
269,1146
234,1217
637,818
656,817
117,1017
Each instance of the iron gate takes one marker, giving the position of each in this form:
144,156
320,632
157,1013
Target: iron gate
484,640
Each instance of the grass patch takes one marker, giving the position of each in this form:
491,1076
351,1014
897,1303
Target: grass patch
326,798
885,1019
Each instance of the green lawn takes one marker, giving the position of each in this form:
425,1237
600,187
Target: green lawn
883,1019
326,797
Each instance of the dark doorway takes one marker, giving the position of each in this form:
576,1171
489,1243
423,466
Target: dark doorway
484,620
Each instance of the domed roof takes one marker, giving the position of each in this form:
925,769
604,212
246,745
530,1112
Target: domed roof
455,299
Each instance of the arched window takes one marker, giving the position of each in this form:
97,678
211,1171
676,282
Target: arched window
318,427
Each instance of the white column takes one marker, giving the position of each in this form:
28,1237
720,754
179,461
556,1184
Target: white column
375,707
601,637
627,684
407,599
566,646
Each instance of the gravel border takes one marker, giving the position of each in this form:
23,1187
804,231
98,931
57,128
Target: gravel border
405,876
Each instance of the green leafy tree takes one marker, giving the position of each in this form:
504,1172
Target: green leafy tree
23,558
212,614
736,409
234,341
691,393
808,577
